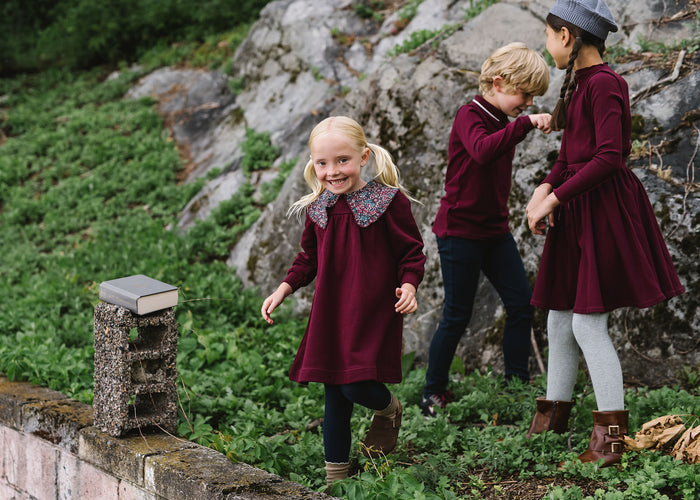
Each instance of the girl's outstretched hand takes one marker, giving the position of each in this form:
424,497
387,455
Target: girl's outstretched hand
274,300
407,299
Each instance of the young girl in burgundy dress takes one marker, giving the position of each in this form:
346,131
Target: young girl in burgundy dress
362,245
604,248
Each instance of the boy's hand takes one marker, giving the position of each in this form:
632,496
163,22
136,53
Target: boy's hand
274,300
542,121
407,299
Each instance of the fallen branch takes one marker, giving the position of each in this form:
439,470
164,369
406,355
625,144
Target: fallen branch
689,181
671,78
627,337
536,350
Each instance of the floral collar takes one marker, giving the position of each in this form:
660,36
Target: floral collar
367,204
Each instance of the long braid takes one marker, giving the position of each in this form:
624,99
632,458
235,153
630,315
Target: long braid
559,115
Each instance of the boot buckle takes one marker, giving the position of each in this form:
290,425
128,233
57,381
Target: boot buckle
617,447
614,430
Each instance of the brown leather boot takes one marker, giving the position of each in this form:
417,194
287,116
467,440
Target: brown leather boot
382,434
550,416
607,439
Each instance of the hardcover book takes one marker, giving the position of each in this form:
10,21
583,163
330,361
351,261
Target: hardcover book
139,293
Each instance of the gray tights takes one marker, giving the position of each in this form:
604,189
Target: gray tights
567,332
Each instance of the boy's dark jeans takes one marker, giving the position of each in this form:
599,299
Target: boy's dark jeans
462,260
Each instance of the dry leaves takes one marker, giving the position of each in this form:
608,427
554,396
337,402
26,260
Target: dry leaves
661,434
688,446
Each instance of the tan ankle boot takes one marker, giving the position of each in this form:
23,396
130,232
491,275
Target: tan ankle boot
383,432
607,439
550,416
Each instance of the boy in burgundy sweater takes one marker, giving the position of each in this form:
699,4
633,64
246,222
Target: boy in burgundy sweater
472,223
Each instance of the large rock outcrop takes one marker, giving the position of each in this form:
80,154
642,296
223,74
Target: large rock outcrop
307,59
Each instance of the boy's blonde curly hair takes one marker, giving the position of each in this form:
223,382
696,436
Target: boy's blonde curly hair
520,67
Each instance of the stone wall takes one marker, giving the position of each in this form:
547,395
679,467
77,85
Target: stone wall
50,450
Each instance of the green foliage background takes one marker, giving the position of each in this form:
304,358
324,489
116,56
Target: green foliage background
88,192
37,34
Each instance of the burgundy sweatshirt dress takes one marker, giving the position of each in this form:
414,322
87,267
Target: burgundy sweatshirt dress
606,249
360,247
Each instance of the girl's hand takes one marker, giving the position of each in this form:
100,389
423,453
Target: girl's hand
407,299
538,196
274,300
540,208
542,121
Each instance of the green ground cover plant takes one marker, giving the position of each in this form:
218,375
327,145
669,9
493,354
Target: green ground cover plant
88,192
368,9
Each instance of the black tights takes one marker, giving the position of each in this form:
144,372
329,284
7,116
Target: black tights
339,404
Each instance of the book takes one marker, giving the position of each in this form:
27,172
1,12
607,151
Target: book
139,293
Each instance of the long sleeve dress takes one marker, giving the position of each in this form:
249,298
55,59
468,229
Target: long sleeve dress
606,249
360,247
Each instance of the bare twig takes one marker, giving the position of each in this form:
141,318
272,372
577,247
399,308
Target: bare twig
671,78
689,350
689,180
664,19
203,298
627,337
150,394
536,350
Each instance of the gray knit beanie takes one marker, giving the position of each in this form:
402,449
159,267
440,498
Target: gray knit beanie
593,16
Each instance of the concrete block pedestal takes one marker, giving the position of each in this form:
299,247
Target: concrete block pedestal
135,370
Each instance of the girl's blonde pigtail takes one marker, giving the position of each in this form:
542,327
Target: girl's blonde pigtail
299,207
387,171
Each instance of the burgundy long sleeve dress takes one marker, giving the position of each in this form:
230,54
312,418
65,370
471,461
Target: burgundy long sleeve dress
606,249
360,247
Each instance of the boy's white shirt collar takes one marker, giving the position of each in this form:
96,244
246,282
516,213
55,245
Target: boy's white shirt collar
486,110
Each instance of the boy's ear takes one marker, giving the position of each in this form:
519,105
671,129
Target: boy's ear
497,84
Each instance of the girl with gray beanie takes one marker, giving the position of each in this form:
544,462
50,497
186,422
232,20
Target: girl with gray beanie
604,248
